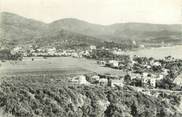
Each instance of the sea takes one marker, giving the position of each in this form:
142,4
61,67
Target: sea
159,53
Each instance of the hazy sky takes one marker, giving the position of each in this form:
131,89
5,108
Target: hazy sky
98,11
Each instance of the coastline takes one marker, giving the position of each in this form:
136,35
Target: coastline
159,53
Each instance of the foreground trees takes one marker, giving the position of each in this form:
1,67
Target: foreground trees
6,54
45,97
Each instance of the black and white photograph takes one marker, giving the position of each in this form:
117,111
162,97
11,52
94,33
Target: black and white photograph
90,58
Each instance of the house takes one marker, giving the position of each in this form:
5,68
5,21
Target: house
92,47
153,82
17,49
81,79
75,55
117,82
160,77
65,53
142,46
146,92
145,74
134,42
95,77
40,50
178,80
86,53
51,51
103,82
145,81
134,75
113,63
119,52
102,63
31,50
148,80
156,63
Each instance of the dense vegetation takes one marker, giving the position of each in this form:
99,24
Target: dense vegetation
5,54
102,54
54,97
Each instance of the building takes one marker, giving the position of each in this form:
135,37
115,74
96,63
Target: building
92,47
119,52
178,80
134,42
102,63
75,55
153,82
113,63
51,51
103,82
95,77
148,80
156,63
17,50
86,53
117,82
81,79
142,46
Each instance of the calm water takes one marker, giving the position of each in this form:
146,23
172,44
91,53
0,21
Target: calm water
175,51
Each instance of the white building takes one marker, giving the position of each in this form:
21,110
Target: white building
117,82
51,51
119,52
153,82
92,47
165,71
156,64
149,79
134,42
178,80
113,63
95,77
103,81
80,80
16,50
142,46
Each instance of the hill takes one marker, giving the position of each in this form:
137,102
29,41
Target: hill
122,31
18,30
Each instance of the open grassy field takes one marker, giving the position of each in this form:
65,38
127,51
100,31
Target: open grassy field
56,65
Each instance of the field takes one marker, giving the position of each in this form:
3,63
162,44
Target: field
74,65
56,65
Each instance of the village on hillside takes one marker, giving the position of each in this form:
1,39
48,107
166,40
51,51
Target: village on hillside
138,71
90,58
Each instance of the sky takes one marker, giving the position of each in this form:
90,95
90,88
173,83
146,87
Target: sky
98,11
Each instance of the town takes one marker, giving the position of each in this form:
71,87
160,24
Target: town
135,71
139,72
72,68
90,58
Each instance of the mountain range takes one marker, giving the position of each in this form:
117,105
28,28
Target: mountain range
17,30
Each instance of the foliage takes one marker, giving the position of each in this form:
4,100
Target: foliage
37,97
5,54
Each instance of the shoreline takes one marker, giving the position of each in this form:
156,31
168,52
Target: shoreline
159,52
